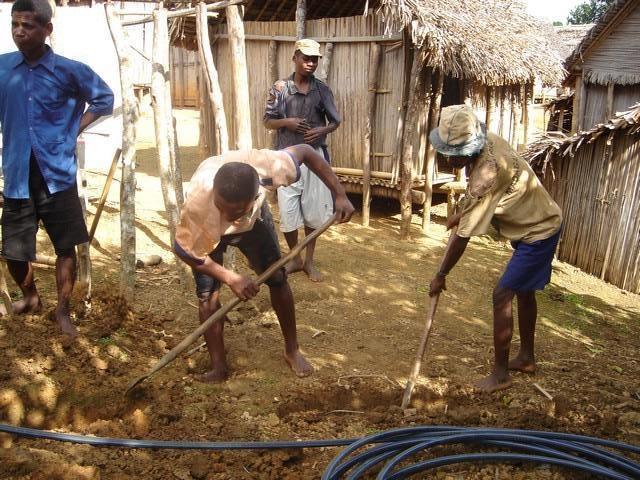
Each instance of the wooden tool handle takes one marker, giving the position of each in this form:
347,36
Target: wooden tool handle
227,307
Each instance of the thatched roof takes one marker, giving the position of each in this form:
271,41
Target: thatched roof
539,153
616,12
570,37
482,40
492,41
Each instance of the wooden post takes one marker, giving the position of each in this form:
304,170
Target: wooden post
4,292
576,120
406,82
583,103
326,62
160,71
242,109
434,115
273,62
561,120
407,149
210,81
515,124
301,17
130,114
375,58
610,92
502,126
174,150
489,113
425,143
526,114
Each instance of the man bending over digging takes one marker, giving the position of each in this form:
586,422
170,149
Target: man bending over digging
226,205
505,192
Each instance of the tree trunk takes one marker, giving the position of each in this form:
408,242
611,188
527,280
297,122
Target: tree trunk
211,79
375,58
159,73
301,17
242,109
407,149
489,115
326,62
273,62
130,114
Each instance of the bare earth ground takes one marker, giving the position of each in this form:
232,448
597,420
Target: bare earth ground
360,328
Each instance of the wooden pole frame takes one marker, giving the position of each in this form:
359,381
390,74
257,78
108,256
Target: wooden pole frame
130,114
437,86
375,59
301,18
242,108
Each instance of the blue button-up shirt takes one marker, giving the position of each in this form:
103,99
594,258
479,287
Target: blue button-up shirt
40,110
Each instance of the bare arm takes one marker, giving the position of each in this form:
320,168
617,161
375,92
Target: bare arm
243,286
453,253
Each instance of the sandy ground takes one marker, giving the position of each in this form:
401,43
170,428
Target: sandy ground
360,328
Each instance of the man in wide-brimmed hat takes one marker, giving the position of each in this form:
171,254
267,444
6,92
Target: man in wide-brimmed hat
502,191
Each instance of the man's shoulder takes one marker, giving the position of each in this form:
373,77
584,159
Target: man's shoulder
11,59
279,85
322,85
69,63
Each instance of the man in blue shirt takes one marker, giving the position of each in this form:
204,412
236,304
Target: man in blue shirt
42,112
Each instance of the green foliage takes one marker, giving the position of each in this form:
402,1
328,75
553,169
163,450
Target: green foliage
558,23
588,12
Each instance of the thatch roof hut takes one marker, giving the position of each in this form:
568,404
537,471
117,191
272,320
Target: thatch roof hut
595,178
434,54
604,69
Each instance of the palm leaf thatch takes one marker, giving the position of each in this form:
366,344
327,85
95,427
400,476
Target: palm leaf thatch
541,151
491,41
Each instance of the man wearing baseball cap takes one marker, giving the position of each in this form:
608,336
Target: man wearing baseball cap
302,110
502,191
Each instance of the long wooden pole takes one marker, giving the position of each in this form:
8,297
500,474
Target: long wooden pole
301,17
406,202
326,61
186,12
104,194
424,339
375,58
220,313
577,102
242,109
211,79
4,292
489,112
526,112
434,115
160,71
130,114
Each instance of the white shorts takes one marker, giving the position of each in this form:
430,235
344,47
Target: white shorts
307,202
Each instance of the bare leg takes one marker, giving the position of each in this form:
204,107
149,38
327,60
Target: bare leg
502,333
527,315
65,279
296,264
282,302
214,337
22,274
309,268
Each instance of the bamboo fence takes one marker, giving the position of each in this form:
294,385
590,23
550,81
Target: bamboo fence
595,178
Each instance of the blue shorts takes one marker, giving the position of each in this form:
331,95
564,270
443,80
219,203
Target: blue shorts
530,266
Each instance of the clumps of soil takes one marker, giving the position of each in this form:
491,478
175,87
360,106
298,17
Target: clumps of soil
106,312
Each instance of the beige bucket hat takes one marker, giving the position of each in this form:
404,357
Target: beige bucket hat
308,47
459,132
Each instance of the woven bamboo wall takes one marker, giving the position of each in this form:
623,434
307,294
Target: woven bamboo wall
348,80
599,192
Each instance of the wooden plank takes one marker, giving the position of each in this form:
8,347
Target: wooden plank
375,58
344,39
186,12
610,92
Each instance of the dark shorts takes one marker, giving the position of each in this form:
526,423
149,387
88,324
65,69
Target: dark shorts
530,266
259,245
61,214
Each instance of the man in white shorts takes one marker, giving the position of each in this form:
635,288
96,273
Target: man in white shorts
302,110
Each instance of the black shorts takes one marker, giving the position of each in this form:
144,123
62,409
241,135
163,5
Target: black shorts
259,245
61,214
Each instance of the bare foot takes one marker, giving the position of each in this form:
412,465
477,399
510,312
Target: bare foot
493,383
65,324
294,265
523,364
27,305
300,366
215,375
311,271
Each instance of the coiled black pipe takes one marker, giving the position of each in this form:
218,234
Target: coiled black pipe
390,452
